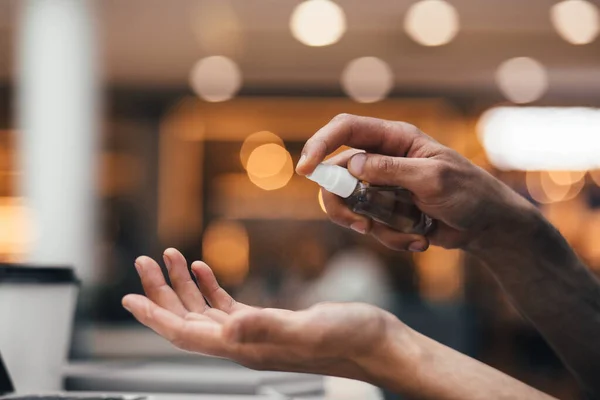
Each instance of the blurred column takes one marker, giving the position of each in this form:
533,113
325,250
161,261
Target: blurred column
58,111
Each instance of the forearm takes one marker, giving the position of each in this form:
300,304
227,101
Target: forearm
549,285
420,368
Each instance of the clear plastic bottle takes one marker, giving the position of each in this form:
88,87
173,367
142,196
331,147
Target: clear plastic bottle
392,206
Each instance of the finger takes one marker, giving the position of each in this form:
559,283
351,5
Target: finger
156,287
410,173
342,158
199,336
266,326
216,296
339,213
148,313
182,281
399,241
365,133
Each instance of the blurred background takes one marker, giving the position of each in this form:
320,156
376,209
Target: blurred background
127,127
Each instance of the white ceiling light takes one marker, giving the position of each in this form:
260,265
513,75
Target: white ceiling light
431,22
318,22
216,78
367,79
576,21
541,138
522,79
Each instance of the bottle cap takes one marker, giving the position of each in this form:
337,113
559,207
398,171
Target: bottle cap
334,179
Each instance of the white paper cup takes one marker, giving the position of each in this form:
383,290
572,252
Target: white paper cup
37,306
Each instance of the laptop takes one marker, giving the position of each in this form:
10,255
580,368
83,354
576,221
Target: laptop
8,392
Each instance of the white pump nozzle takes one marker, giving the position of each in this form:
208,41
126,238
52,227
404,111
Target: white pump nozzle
334,179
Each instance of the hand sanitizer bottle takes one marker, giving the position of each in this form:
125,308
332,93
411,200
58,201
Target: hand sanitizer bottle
389,205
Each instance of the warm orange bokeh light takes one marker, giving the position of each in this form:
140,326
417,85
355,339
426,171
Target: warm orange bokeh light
267,160
17,231
226,249
321,203
270,167
256,140
566,177
543,186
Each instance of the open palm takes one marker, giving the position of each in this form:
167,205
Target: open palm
328,338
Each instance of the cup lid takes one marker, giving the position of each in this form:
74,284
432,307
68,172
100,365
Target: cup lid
24,273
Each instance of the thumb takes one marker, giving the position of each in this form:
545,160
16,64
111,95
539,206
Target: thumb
409,173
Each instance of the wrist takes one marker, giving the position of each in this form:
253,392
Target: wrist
397,355
508,224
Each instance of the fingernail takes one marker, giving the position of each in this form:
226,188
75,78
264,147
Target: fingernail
359,226
357,164
127,308
167,261
138,267
302,161
417,247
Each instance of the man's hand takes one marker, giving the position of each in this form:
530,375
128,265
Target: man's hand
474,211
350,340
463,199
333,339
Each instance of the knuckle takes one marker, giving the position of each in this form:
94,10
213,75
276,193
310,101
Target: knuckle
386,165
342,118
441,178
409,128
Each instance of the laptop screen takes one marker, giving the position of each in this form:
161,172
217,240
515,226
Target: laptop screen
5,382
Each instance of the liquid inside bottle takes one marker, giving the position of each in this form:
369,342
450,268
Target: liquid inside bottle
392,206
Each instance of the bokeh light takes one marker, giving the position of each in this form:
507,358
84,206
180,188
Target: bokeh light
576,21
226,249
432,22
545,190
534,138
522,79
321,202
566,177
215,78
255,140
270,166
17,232
367,79
267,160
318,22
